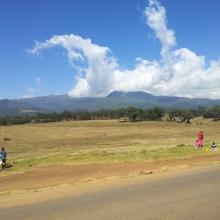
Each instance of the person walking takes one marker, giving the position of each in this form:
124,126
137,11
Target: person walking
3,156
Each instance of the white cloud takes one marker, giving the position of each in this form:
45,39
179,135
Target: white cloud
156,19
38,80
29,93
180,72
100,65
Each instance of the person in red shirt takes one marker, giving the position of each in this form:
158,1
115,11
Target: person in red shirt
201,138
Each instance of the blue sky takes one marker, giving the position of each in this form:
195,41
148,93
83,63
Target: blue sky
123,27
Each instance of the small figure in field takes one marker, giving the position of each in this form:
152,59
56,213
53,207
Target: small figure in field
3,158
197,144
213,146
201,138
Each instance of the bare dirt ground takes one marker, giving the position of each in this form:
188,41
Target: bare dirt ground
52,177
56,175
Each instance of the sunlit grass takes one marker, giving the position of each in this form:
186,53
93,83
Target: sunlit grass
109,156
106,141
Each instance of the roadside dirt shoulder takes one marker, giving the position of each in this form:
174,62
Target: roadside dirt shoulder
58,178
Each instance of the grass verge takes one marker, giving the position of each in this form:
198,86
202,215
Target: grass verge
109,156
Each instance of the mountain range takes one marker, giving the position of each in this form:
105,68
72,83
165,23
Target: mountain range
116,99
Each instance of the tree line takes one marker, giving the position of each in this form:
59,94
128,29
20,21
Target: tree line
124,114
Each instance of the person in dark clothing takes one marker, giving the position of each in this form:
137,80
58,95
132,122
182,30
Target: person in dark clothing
4,156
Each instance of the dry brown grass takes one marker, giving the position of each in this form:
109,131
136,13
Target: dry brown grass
37,140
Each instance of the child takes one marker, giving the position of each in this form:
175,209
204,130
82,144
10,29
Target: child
197,144
213,146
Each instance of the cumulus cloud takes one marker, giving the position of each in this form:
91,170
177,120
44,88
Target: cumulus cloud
179,72
156,19
95,79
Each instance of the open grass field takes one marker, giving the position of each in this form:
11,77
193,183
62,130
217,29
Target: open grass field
106,141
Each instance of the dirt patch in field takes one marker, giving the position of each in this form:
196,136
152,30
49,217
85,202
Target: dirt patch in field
52,176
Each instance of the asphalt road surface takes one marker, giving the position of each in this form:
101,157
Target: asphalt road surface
193,195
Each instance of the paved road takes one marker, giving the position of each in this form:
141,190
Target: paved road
189,196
